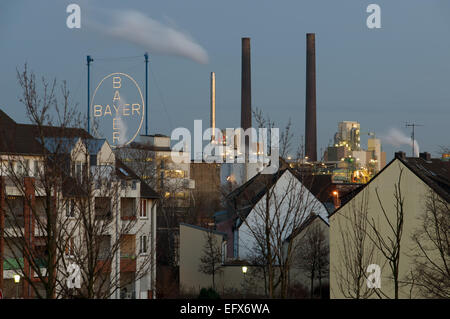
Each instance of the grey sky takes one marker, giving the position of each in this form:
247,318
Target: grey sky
380,78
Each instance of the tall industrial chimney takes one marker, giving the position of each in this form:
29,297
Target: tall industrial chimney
213,105
310,116
246,86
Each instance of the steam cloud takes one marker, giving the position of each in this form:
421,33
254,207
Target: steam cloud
121,123
137,28
397,138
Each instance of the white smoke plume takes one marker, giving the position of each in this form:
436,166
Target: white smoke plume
122,130
121,123
397,138
139,29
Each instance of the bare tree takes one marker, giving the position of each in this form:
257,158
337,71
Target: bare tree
355,250
177,204
276,216
312,256
286,135
387,240
211,260
431,271
54,220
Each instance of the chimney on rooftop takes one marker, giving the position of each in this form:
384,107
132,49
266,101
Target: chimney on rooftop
425,156
400,155
310,114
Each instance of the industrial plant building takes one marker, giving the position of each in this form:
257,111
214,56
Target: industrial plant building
353,164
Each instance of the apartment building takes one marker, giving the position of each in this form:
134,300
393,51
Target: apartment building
67,203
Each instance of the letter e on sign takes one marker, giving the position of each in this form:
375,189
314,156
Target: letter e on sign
74,18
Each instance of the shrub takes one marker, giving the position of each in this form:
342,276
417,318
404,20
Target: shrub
208,294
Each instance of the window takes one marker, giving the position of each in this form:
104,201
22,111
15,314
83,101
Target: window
36,169
174,173
143,213
224,252
133,185
70,208
79,170
19,169
143,244
27,167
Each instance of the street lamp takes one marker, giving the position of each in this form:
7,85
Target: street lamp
244,271
336,200
17,281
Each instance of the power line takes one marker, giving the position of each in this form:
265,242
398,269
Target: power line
118,58
161,97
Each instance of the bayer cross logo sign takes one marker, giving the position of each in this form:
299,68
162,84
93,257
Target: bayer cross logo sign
117,109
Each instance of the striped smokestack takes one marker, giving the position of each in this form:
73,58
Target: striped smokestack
310,116
246,86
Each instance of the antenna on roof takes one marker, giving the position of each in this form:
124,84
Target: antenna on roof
413,140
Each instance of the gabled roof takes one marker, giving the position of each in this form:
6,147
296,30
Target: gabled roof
60,144
94,145
25,139
435,173
244,198
308,221
147,191
124,172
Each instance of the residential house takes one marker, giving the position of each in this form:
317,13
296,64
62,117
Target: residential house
385,218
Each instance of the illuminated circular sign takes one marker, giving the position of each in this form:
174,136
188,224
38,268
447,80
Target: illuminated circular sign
119,120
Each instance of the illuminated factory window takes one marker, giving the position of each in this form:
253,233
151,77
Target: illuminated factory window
174,173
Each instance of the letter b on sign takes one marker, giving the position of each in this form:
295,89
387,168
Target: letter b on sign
374,279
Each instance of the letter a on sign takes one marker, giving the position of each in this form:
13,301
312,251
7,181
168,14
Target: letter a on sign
374,279
74,18
374,20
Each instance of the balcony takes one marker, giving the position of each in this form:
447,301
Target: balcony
128,208
14,212
128,253
103,208
17,263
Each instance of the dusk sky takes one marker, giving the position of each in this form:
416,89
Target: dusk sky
378,77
